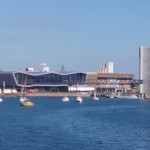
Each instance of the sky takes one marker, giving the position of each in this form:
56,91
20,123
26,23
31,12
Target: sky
79,34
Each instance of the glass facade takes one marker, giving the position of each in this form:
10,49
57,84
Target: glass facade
50,79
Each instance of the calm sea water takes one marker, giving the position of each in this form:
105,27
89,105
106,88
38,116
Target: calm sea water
92,125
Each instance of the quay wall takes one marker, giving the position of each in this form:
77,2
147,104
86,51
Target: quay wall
49,94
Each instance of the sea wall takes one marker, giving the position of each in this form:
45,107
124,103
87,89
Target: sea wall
49,94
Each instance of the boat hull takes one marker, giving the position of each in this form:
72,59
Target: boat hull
27,104
65,99
79,99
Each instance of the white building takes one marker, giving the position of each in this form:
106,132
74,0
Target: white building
30,69
110,67
45,68
106,68
144,56
102,68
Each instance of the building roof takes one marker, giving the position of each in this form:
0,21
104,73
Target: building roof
109,75
115,75
44,73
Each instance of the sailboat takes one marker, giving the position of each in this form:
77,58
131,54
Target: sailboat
95,96
78,99
24,101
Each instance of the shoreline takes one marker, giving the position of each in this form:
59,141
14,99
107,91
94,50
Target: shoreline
51,94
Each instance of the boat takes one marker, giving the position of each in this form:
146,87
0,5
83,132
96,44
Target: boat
65,99
95,96
24,101
79,99
1,99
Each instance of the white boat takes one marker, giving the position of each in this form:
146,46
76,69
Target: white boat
22,99
25,102
1,99
95,96
65,99
79,99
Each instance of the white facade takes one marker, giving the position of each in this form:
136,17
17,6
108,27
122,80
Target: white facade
45,68
106,68
7,91
81,88
103,68
110,67
30,69
144,56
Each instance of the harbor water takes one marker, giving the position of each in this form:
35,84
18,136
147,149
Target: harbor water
116,124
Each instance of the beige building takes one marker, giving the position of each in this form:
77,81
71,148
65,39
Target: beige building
110,82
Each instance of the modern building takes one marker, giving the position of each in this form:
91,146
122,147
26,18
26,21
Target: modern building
41,81
144,67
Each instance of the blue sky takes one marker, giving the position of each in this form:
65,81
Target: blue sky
79,34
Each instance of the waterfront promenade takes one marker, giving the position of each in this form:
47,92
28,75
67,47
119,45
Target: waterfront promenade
49,94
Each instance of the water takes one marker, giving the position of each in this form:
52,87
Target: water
92,125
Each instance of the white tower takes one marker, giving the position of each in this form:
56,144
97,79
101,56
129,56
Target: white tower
110,67
106,68
144,67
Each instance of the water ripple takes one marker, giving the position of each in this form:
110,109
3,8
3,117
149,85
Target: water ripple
93,125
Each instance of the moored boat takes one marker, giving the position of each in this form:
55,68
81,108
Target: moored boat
65,99
26,103
23,99
79,99
95,96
